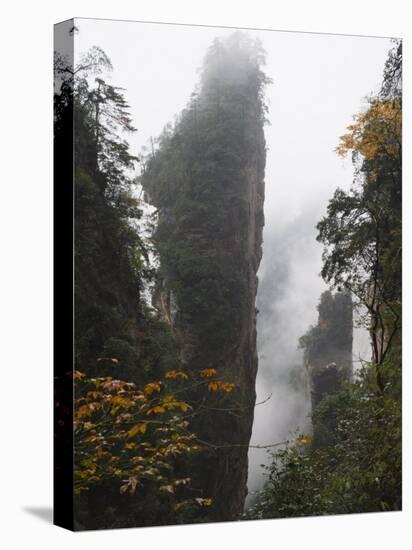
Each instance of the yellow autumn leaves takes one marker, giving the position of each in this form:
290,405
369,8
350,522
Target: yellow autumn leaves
207,373
137,429
173,374
376,132
152,387
134,435
213,385
218,385
304,439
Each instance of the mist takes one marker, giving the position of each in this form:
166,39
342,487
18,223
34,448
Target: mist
312,100
319,83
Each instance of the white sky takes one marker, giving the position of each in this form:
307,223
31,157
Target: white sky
319,83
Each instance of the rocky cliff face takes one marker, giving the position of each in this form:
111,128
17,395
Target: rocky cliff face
328,345
328,348
207,181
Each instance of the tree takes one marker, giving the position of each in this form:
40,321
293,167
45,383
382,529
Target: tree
362,229
138,439
359,470
116,331
111,256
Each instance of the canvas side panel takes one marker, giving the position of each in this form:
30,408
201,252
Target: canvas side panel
63,273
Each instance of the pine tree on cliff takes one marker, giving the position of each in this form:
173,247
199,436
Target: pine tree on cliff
207,181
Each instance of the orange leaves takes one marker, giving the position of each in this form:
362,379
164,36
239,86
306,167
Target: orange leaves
137,429
207,373
87,410
168,406
134,447
183,406
114,385
216,385
158,409
170,403
173,374
152,387
305,439
120,401
376,132
133,435
94,394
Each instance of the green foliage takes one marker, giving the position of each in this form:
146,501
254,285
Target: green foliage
331,339
196,178
362,230
136,440
117,334
111,257
328,352
360,468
